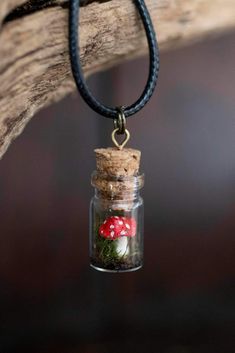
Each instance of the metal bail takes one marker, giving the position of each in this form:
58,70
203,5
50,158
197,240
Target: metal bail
120,129
120,122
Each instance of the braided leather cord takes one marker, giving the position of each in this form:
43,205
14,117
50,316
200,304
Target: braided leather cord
82,87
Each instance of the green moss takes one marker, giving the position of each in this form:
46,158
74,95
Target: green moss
106,250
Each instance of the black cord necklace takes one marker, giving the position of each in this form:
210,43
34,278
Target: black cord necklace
116,222
77,70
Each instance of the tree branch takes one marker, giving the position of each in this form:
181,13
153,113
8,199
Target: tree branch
34,66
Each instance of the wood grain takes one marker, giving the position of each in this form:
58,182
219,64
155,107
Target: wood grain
34,66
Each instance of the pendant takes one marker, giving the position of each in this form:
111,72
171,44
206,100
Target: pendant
117,210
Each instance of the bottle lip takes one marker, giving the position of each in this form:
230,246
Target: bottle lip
137,179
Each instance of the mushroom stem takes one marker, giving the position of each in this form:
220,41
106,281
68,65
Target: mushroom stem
122,246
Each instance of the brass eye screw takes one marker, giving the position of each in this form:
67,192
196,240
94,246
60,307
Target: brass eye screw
127,138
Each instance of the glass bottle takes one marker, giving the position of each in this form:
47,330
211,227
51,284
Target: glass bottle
116,222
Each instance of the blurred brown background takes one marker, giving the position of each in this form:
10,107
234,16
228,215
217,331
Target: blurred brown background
183,299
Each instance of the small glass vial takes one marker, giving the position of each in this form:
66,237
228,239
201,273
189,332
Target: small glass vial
116,213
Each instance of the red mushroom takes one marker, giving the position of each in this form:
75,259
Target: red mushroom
115,227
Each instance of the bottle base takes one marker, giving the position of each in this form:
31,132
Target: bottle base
115,270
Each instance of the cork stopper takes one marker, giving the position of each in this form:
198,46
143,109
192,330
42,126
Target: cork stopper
117,176
115,162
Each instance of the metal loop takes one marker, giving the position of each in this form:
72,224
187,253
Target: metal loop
120,122
120,146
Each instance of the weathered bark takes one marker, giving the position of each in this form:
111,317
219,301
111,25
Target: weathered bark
34,63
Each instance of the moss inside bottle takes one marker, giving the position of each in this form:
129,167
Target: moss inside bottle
116,211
